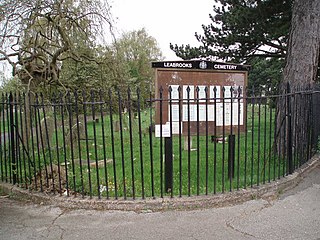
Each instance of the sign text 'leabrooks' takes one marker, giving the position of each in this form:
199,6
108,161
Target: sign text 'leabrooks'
201,65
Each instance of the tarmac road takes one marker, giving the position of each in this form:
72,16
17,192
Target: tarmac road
295,215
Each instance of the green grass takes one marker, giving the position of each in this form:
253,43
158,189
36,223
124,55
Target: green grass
129,172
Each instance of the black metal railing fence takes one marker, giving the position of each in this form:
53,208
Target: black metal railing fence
114,145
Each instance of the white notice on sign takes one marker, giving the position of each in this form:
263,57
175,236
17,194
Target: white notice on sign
227,93
202,93
188,93
165,130
203,109
176,128
174,92
215,93
202,112
175,110
189,112
211,113
224,114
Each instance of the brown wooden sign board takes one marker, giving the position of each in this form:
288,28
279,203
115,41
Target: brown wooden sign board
197,89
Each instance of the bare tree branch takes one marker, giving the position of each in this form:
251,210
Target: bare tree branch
36,36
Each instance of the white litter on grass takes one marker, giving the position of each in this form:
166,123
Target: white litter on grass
102,188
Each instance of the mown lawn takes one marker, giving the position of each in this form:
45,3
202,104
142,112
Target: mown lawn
132,164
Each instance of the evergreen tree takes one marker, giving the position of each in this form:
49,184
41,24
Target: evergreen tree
241,30
265,74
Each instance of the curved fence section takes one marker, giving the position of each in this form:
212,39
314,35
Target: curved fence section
186,142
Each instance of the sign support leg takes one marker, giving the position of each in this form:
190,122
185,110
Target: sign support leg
168,164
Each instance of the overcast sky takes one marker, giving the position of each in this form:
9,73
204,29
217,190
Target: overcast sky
167,21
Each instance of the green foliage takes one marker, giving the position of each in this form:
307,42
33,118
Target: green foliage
11,85
241,30
57,46
102,71
250,31
265,74
37,37
137,50
123,64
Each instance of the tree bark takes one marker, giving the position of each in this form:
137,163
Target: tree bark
300,74
303,46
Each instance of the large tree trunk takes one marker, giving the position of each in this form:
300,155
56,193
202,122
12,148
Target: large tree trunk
303,46
300,73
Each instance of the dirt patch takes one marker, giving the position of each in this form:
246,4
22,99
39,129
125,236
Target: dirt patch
50,180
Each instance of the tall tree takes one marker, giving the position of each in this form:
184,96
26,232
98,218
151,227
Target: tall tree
241,30
104,72
304,44
300,73
11,85
37,36
266,74
137,49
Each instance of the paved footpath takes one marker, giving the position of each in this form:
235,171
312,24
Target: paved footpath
295,215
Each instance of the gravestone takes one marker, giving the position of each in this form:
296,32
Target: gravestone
46,130
73,131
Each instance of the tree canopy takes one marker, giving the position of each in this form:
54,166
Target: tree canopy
58,45
241,30
137,49
265,74
124,63
37,36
